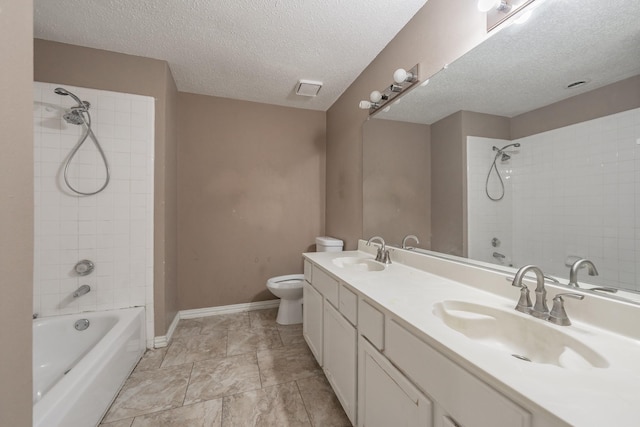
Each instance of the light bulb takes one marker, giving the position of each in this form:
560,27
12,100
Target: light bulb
375,96
399,75
364,105
487,5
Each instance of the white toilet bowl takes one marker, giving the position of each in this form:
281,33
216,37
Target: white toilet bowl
289,290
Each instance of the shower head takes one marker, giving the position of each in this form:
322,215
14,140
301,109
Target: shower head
73,116
64,92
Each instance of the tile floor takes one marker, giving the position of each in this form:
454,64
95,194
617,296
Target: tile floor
240,369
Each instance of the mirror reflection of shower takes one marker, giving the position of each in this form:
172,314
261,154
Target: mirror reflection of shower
504,157
79,115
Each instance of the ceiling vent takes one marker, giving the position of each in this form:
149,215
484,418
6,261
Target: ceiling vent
308,88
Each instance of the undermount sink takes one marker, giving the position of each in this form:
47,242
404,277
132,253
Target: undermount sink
525,338
358,264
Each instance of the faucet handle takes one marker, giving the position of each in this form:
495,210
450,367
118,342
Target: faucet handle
524,303
558,315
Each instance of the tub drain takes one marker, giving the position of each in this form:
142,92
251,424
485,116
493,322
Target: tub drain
517,356
81,324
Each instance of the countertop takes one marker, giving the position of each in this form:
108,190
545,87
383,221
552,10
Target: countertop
578,395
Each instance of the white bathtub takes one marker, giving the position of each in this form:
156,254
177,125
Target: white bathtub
77,374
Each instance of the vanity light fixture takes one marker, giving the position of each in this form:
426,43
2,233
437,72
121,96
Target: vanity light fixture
499,11
402,80
308,88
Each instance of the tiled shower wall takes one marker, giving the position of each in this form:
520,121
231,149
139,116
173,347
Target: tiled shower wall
113,228
576,193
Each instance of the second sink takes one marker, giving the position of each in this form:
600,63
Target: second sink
525,338
358,264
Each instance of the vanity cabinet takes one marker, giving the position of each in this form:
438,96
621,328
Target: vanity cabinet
340,356
385,373
462,398
312,320
386,397
329,315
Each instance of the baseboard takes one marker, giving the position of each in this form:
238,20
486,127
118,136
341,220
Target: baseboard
224,309
163,341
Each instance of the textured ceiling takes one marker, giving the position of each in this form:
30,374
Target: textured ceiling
253,50
528,66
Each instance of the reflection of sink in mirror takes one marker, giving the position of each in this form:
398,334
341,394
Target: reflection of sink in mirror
358,264
525,338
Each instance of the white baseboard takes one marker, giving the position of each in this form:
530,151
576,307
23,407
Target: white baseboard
224,309
163,341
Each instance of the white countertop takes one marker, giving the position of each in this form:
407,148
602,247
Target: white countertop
580,396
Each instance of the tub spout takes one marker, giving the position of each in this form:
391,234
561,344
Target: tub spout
84,289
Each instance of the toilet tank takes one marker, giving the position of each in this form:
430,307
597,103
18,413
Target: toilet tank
328,244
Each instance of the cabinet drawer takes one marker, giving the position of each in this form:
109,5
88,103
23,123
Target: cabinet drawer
308,268
326,285
348,304
469,401
371,324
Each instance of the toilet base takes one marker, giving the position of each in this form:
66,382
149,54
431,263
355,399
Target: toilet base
289,312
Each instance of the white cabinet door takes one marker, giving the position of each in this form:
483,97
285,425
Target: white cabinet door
340,357
385,397
312,320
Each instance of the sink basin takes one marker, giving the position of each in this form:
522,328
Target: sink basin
525,338
358,264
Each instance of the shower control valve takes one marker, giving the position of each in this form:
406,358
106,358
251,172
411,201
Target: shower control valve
495,242
84,267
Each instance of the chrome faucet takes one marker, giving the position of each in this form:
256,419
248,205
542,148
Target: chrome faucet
573,273
383,252
540,309
82,290
410,236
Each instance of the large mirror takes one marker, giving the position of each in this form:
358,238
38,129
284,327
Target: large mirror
526,150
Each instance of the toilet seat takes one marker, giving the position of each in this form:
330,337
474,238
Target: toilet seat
289,289
286,282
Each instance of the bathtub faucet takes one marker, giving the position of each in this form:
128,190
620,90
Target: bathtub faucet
84,289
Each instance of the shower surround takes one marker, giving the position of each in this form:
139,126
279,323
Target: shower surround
569,192
113,228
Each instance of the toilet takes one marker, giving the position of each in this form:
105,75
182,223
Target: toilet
289,288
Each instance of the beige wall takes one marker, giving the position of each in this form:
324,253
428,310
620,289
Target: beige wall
251,181
611,99
100,69
397,181
16,212
446,185
439,33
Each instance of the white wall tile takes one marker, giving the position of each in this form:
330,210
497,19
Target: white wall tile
69,228
581,184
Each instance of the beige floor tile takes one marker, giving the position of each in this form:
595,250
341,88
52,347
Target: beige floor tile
279,405
291,334
249,340
198,347
281,365
215,378
121,423
150,391
188,328
263,318
152,359
205,414
322,405
224,321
